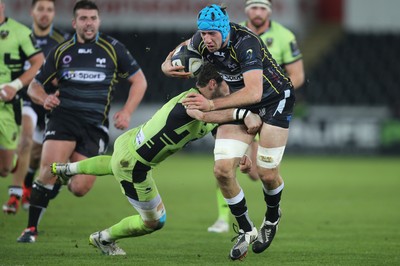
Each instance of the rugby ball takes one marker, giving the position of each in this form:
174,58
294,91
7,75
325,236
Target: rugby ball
190,59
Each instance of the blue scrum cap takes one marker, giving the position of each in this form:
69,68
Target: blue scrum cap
214,18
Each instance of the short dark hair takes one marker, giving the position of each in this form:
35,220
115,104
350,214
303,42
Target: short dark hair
35,1
207,73
84,4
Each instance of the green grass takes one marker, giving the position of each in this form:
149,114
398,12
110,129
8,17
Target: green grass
336,211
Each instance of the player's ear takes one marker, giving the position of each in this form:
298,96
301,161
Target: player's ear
212,84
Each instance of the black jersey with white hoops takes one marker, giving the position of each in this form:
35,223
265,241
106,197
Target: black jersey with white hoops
245,51
86,74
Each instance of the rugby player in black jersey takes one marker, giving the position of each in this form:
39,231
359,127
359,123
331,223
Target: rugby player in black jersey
86,68
256,83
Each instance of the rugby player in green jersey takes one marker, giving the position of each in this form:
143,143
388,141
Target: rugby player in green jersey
140,149
282,45
33,115
16,45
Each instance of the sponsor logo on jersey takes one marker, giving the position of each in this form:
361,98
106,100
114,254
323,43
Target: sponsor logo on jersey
41,42
232,78
294,48
84,51
220,54
84,76
249,54
48,133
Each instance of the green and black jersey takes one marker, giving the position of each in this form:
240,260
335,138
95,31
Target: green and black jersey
281,43
17,45
167,132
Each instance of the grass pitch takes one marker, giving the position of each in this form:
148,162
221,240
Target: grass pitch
336,211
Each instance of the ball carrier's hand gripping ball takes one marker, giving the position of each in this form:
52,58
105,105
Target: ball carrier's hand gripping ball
189,58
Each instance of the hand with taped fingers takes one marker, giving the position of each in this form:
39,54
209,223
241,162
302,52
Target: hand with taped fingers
253,123
51,101
198,101
174,71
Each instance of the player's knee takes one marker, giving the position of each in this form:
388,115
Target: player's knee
80,185
78,191
269,175
224,169
4,171
25,144
157,224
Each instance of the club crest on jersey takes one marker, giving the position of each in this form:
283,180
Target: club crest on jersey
269,42
100,62
67,59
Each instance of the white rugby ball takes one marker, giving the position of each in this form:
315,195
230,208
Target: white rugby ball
190,59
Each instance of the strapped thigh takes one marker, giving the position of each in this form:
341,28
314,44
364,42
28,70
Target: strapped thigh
229,148
269,157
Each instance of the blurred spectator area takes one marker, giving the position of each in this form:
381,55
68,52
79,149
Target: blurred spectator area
345,68
150,49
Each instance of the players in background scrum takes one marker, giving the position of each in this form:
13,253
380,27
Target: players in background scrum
282,45
33,115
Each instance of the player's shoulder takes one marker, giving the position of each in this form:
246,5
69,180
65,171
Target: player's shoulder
183,94
243,37
111,40
241,32
278,28
18,26
60,34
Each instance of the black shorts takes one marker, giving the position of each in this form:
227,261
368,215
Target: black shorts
278,110
90,140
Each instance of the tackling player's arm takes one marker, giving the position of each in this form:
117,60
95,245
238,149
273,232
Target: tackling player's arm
252,121
249,94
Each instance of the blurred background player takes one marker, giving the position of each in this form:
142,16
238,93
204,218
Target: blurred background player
86,68
142,148
282,45
33,115
17,45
